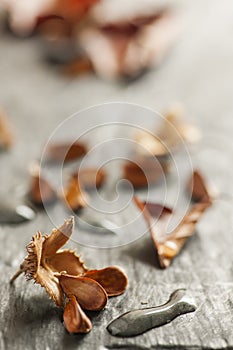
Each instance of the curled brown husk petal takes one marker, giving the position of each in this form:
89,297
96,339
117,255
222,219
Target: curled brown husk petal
112,279
144,171
64,152
74,195
58,238
168,246
91,177
75,319
89,293
41,192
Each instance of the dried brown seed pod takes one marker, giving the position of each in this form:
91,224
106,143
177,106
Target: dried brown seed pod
89,293
74,195
129,47
74,318
41,251
65,152
175,128
91,177
112,279
41,191
169,246
172,132
144,171
150,144
6,136
62,273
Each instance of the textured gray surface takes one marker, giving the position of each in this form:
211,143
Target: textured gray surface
198,73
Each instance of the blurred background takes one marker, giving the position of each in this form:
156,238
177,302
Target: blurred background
54,60
60,56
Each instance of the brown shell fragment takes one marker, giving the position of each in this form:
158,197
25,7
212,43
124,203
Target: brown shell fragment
91,178
74,318
89,293
169,246
198,188
74,195
143,171
65,152
6,136
41,192
112,279
67,261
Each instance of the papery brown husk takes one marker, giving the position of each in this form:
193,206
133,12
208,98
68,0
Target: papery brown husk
41,262
144,171
74,195
129,47
41,191
173,131
65,152
90,178
169,246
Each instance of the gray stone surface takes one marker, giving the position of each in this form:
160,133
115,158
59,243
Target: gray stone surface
199,73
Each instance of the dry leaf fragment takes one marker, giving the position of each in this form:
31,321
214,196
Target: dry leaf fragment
75,196
112,279
64,152
144,171
41,192
169,246
91,177
74,318
89,293
6,136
